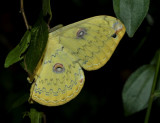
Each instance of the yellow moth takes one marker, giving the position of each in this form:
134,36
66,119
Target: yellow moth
86,44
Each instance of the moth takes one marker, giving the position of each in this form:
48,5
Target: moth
86,44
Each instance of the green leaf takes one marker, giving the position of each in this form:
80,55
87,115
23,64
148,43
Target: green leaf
157,93
155,58
39,37
158,82
17,53
131,13
152,95
35,116
136,91
46,8
155,61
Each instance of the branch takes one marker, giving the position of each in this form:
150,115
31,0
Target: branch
152,91
23,14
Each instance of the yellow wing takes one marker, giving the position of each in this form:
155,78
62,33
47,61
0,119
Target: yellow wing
58,79
91,41
88,43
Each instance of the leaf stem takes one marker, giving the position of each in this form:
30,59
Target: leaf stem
23,14
152,91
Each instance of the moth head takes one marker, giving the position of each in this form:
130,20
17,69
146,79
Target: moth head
118,28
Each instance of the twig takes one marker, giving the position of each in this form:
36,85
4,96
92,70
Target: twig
152,91
44,118
23,14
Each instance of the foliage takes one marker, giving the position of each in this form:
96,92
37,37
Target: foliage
35,116
17,53
137,90
39,37
131,12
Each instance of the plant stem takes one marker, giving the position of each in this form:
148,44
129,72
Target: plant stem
152,91
23,14
44,118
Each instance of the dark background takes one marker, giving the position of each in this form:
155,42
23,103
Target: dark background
100,99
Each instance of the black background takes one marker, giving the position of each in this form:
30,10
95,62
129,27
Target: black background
100,99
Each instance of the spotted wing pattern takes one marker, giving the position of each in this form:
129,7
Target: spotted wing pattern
91,41
88,43
59,79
